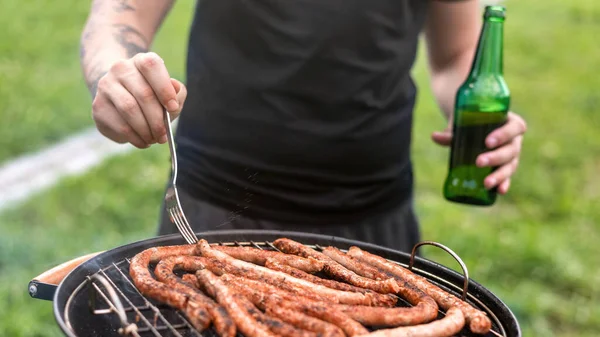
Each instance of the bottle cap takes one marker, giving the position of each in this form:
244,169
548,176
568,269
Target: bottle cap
495,11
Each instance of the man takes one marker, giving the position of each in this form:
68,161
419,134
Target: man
297,113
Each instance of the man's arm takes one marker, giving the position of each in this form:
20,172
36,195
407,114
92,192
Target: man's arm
131,87
116,30
451,31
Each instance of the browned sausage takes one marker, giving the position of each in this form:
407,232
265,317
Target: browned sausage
191,280
337,296
164,272
324,329
477,319
387,317
243,320
148,286
271,264
221,268
335,269
353,264
276,325
424,309
259,256
258,292
323,312
445,327
265,296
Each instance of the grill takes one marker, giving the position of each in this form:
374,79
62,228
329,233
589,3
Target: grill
98,298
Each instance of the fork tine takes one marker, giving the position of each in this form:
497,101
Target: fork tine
180,226
183,229
183,232
187,224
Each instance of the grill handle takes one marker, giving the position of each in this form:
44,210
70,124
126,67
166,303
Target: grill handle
44,285
453,254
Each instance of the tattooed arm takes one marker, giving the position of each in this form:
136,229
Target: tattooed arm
130,86
118,29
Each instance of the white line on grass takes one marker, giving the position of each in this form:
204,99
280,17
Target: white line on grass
30,174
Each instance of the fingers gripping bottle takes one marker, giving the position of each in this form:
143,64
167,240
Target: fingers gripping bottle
481,106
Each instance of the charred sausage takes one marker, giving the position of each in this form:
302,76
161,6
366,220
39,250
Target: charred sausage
445,327
271,264
259,256
338,296
265,296
274,324
164,272
243,319
322,328
477,319
323,312
148,286
335,269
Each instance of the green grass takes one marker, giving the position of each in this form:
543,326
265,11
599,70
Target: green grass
536,249
43,97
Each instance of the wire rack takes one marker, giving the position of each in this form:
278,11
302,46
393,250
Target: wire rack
112,292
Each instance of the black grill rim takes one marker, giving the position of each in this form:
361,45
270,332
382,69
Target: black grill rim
505,316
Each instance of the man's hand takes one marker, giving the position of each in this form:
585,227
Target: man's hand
131,98
506,145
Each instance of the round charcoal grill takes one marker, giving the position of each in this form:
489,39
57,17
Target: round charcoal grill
98,297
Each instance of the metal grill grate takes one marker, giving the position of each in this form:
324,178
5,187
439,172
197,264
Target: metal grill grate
141,317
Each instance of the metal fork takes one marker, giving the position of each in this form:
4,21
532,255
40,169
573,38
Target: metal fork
172,203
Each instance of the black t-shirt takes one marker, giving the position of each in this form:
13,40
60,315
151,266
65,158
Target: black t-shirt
300,111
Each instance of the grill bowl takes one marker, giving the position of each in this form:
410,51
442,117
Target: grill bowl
75,317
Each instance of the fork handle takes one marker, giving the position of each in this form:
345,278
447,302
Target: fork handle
167,120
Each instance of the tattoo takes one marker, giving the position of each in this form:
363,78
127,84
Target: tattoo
87,35
131,39
122,6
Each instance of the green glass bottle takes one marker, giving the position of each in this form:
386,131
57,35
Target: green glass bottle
481,106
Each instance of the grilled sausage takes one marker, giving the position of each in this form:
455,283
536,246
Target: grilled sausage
322,328
388,317
477,319
335,269
425,308
191,280
258,292
265,296
148,286
276,325
164,272
247,288
221,268
259,256
354,265
323,312
445,327
271,264
337,296
225,297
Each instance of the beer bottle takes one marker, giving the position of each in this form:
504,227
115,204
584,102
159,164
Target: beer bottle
481,106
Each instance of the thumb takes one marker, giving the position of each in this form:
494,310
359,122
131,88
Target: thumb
181,95
443,138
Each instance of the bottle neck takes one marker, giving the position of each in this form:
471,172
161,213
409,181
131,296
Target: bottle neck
489,57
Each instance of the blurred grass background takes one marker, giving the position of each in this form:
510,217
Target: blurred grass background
537,249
